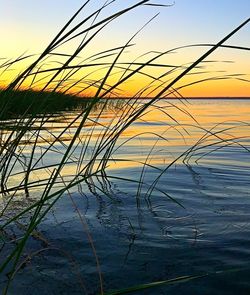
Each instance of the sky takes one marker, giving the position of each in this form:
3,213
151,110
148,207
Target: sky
28,26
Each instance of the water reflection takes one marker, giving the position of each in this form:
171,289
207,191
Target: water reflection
133,215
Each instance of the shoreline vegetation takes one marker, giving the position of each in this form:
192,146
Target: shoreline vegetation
30,102
22,160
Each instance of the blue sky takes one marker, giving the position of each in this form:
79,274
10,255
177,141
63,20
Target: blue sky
187,21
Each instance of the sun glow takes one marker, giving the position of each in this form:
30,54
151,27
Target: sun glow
224,74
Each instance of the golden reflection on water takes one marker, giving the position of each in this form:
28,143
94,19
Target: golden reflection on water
161,135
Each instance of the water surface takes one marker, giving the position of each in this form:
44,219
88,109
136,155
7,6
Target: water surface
194,220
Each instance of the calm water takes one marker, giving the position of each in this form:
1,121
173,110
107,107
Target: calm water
140,234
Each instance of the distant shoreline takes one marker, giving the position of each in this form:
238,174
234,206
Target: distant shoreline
187,98
214,97
142,98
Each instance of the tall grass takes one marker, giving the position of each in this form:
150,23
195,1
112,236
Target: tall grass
34,159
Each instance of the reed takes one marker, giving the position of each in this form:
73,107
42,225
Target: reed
27,144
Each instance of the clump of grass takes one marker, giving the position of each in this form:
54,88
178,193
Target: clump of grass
18,103
27,147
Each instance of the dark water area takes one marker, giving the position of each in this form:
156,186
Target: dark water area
195,222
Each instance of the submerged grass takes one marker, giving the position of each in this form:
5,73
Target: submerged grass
27,144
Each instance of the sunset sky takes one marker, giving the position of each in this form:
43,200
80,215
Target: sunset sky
28,26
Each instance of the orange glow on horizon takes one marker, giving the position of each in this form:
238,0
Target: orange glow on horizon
234,86
28,32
